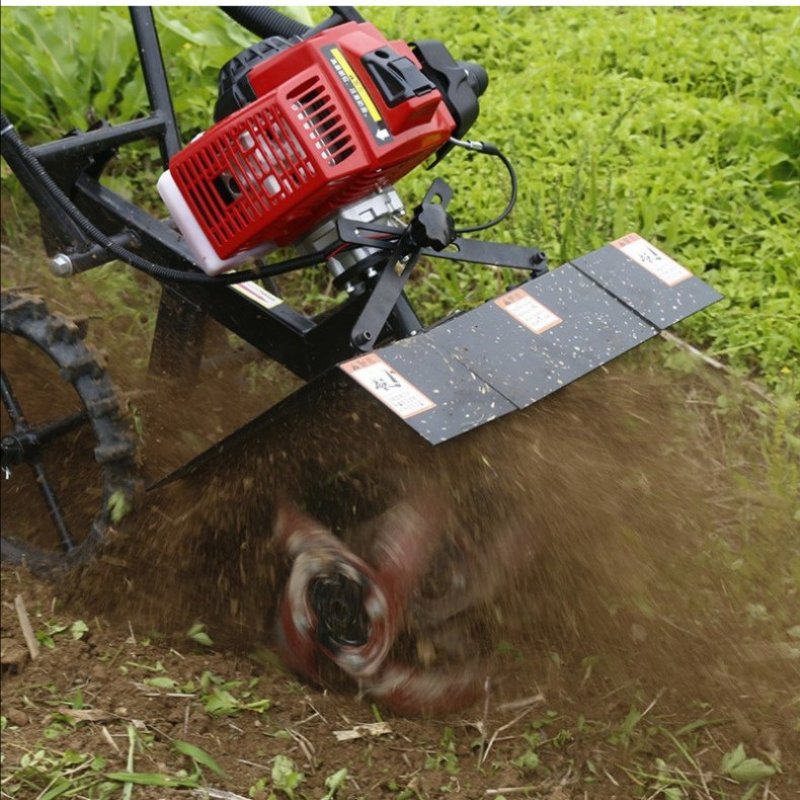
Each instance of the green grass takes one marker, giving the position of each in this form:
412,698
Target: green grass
55,77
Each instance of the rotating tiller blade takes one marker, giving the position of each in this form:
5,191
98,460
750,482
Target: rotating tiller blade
338,606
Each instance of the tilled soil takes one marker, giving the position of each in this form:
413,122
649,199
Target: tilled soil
592,526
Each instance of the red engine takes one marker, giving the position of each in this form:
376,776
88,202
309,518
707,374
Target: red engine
334,118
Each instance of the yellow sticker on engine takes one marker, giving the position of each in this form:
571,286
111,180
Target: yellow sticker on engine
359,94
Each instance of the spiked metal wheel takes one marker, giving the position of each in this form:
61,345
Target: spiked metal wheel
67,456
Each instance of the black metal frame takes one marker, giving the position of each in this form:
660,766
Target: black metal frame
307,346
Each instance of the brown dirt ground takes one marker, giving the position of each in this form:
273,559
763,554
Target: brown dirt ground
616,490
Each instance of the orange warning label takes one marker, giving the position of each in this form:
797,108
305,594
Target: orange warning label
528,311
652,259
388,385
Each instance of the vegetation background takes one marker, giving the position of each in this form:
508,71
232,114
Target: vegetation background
680,123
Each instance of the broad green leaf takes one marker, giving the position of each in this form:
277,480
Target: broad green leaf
285,775
118,506
738,766
750,770
221,702
198,634
78,629
161,682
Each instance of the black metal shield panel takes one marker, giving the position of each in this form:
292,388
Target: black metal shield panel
542,336
647,280
429,388
528,343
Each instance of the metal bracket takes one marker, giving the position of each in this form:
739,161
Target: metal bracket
383,297
430,225
473,251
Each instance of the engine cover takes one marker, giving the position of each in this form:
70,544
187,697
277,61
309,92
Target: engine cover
336,117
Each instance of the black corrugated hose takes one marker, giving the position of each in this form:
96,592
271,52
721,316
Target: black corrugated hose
266,22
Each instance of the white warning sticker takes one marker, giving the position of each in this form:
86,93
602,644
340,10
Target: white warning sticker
652,259
254,291
388,385
528,311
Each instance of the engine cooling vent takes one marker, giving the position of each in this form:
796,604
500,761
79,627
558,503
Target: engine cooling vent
245,171
321,121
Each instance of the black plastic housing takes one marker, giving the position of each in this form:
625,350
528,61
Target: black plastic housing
460,82
397,77
235,91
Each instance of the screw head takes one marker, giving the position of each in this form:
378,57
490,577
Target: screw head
61,265
362,339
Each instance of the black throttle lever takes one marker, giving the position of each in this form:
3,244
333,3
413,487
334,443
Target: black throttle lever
431,226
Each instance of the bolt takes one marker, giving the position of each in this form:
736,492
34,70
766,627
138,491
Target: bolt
61,265
538,258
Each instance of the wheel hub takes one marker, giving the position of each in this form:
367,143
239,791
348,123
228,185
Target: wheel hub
338,603
19,447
